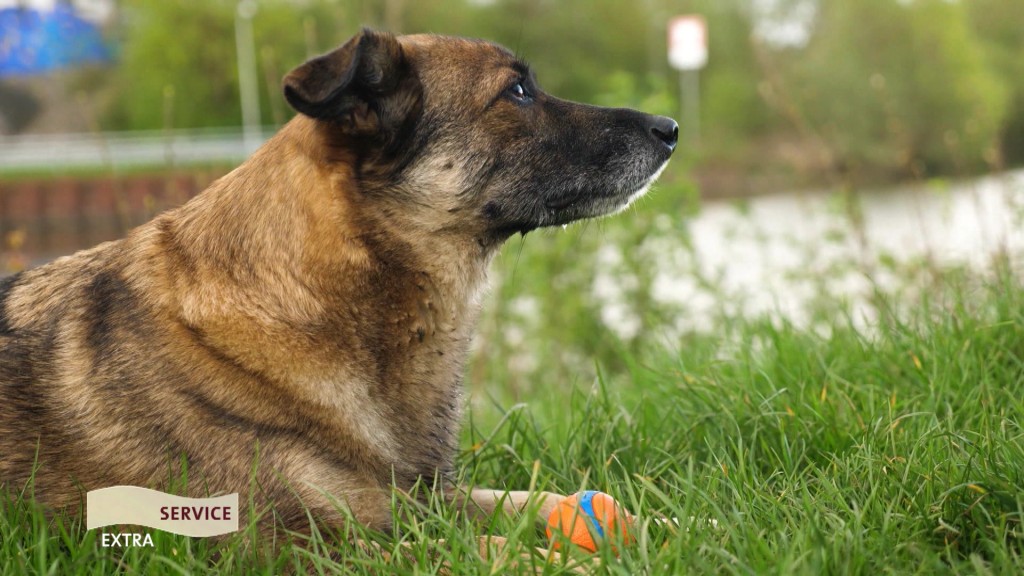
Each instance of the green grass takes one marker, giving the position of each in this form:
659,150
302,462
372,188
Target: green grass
901,453
781,450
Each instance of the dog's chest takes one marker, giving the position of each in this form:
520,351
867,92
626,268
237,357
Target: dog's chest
413,356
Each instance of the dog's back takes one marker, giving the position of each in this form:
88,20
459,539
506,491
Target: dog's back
228,332
304,322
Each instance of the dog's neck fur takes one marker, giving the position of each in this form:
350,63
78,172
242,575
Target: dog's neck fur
327,238
315,274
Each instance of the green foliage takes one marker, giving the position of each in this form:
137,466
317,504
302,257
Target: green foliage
598,306
179,66
796,453
621,88
732,107
893,87
175,66
999,28
575,44
898,86
179,63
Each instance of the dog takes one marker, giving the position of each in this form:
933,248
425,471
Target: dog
312,310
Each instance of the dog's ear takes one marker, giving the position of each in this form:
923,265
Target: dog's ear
350,82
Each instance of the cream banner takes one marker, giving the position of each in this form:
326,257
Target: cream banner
154,509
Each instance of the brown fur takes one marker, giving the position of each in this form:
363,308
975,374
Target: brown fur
315,306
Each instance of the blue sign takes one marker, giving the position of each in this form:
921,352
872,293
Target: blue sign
36,41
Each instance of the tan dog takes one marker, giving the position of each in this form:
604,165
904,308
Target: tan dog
317,302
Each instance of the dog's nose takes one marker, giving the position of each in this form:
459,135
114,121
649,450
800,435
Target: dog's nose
665,129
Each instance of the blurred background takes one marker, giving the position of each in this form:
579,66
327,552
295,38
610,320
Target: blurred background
835,151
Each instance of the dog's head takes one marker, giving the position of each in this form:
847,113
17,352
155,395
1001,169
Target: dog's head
460,131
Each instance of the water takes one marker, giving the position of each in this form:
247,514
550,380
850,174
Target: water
780,254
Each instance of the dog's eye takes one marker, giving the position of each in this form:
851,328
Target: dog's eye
518,93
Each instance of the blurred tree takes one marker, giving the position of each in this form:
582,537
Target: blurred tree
897,86
188,49
179,65
884,86
731,102
1000,27
573,44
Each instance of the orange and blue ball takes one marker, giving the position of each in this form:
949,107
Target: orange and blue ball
589,518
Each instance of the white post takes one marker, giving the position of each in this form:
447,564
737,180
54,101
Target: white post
689,93
688,53
247,85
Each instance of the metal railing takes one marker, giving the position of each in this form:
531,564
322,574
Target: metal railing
117,150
